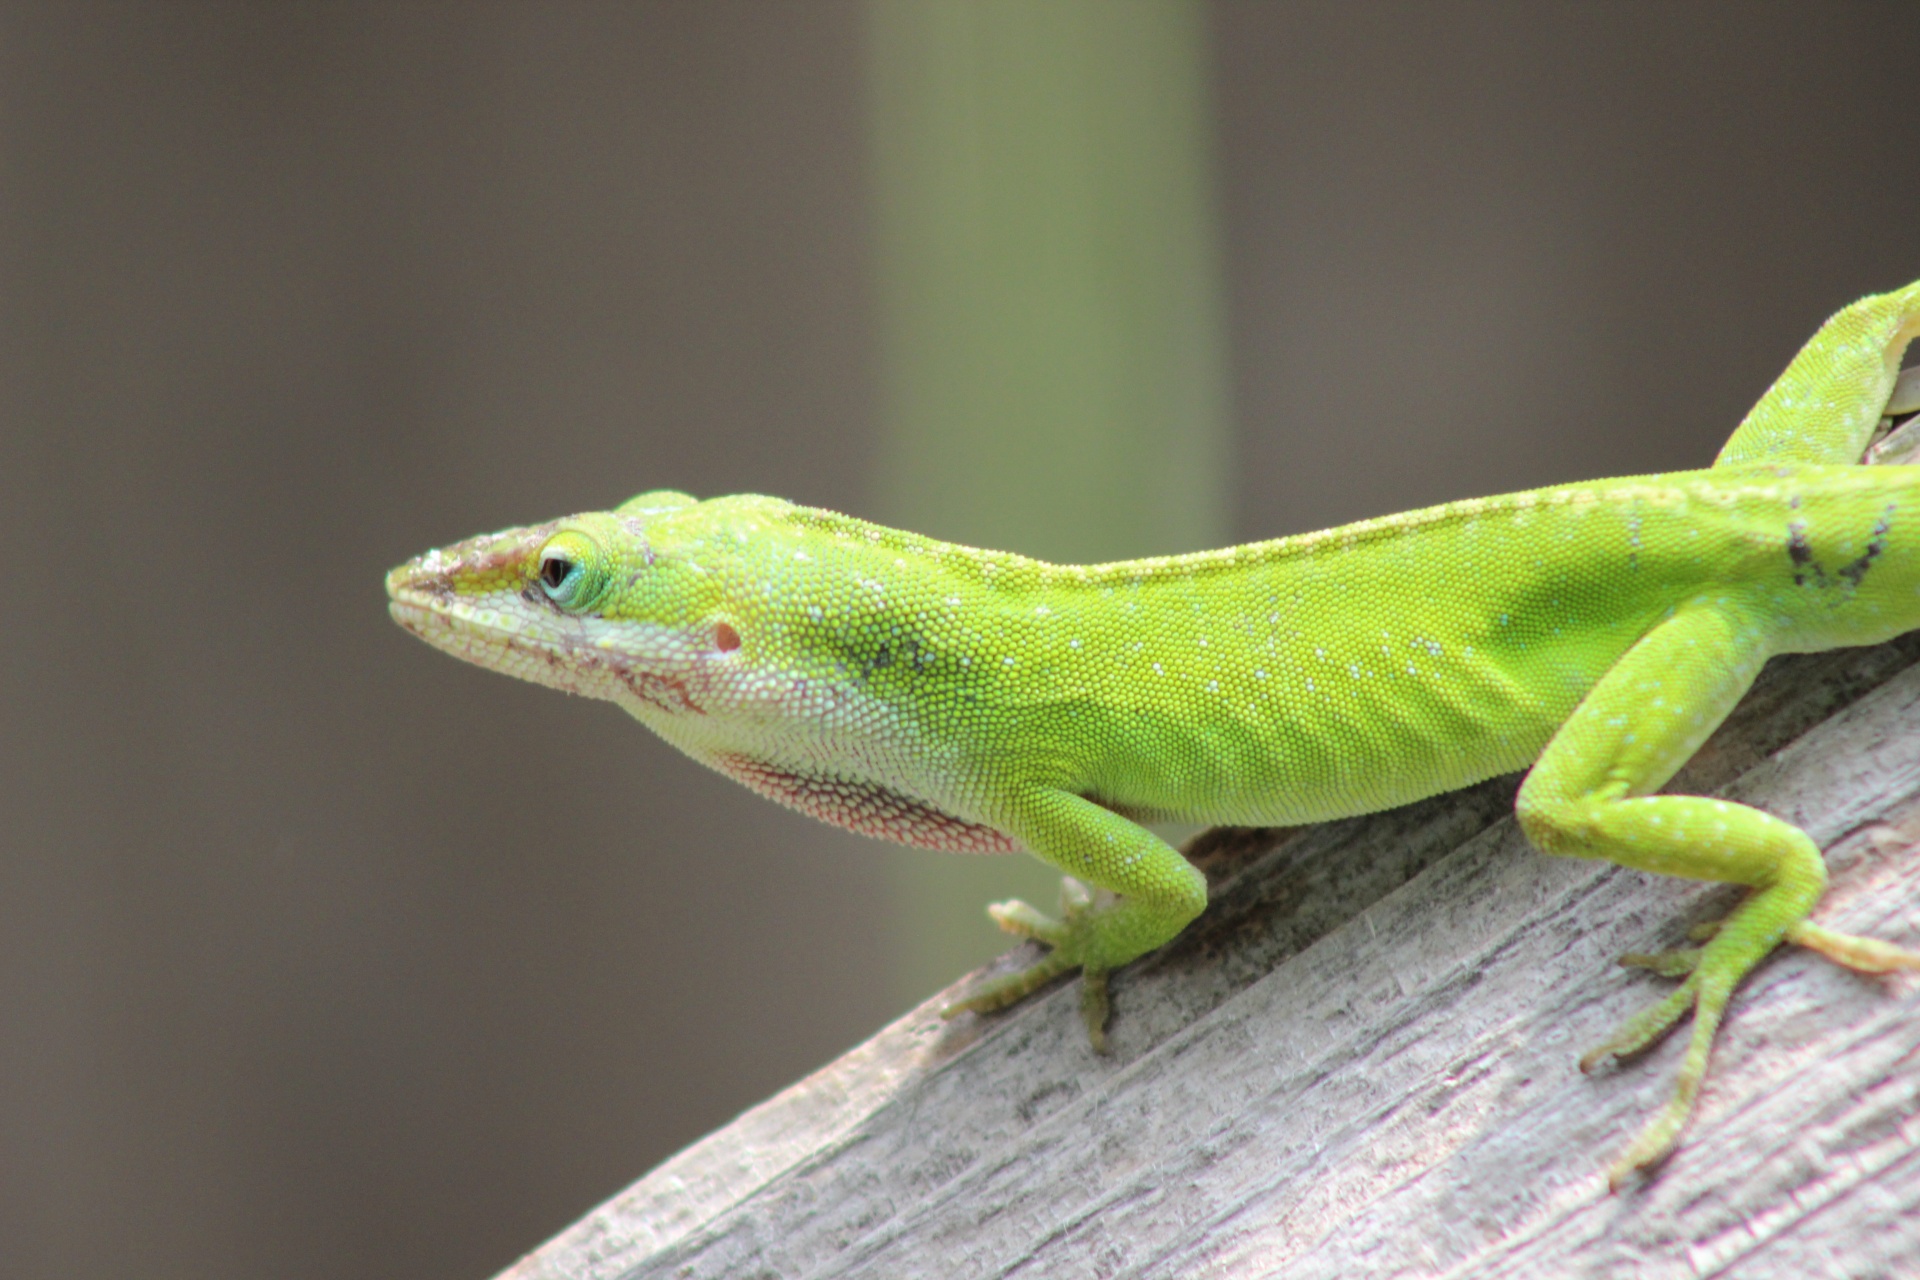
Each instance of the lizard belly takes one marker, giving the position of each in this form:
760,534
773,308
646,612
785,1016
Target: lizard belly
1352,753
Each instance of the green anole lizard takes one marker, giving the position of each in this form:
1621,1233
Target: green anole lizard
953,698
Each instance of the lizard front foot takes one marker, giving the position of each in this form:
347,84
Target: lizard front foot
1071,936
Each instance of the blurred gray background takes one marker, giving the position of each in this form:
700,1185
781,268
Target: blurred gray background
322,955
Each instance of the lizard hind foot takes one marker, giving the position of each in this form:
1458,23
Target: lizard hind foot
1638,1033
1710,973
1867,955
1668,964
1680,961
1656,1140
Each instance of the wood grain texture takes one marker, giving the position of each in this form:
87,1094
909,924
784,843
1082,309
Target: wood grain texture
1360,1062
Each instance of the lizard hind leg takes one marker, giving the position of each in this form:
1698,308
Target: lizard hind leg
1590,797
1824,407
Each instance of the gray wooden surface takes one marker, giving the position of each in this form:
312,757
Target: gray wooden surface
1360,1062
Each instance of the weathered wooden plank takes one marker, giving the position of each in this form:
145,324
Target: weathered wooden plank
1360,1062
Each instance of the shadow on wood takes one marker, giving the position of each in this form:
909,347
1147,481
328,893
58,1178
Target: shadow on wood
1360,1062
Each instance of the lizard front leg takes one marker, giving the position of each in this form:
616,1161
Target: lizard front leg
1588,797
1158,893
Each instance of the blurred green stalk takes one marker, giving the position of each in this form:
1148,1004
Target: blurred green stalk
1051,337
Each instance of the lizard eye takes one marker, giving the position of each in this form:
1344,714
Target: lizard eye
569,572
555,569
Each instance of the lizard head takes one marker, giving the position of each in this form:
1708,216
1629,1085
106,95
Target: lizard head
609,604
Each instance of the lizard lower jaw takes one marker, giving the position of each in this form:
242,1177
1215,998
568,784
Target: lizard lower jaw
415,618
443,631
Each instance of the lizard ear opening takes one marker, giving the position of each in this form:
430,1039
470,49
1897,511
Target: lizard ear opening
725,638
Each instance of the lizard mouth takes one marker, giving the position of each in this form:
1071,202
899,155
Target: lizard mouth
467,629
498,634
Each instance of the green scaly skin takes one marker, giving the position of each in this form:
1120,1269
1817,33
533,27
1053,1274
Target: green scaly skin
954,698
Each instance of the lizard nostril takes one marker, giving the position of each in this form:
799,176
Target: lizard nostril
725,638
